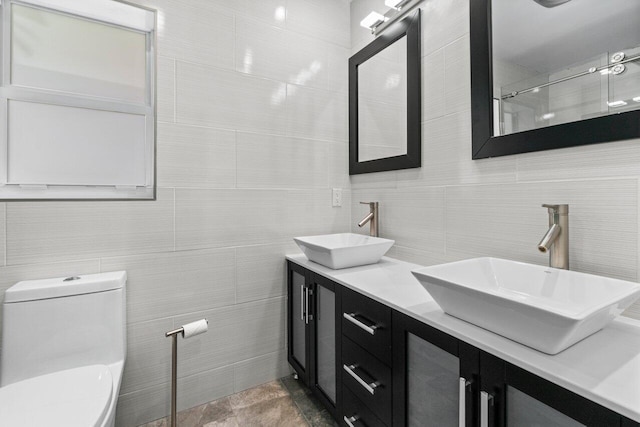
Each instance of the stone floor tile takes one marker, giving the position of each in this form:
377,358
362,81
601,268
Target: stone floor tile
227,422
261,393
217,410
277,412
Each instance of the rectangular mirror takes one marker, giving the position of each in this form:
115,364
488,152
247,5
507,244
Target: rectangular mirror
553,74
384,101
382,104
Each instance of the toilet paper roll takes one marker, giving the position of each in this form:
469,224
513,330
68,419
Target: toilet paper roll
195,328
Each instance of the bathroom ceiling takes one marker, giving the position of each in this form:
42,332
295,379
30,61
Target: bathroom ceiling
549,39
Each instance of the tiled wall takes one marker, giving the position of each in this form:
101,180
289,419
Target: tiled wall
252,136
454,207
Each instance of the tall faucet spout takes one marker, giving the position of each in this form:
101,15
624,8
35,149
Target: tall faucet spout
365,220
371,218
556,240
549,238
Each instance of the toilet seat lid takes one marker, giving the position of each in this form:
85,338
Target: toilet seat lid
74,397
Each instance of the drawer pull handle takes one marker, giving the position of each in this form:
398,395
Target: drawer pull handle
351,317
351,420
462,394
370,387
486,405
303,308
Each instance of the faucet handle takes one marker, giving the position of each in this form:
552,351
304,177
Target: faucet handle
557,209
372,205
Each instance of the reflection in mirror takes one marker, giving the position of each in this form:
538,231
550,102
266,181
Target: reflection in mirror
382,103
549,74
385,100
562,61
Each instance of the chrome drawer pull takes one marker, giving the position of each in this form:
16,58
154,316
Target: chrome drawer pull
351,317
370,387
350,420
302,307
486,401
462,394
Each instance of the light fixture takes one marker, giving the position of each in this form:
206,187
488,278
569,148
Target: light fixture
548,116
398,8
637,99
395,4
372,20
616,103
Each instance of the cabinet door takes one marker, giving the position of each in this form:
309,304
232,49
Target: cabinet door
435,376
298,319
511,396
325,340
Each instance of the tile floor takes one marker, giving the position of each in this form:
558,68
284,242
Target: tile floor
282,403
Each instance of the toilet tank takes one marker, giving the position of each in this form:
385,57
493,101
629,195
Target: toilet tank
55,324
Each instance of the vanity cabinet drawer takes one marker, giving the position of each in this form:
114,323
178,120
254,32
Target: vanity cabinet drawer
356,413
368,378
368,323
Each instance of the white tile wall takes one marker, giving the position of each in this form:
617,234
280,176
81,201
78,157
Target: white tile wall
196,157
59,231
454,207
252,131
260,269
229,100
166,86
268,161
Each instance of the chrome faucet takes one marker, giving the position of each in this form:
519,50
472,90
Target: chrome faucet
371,218
556,240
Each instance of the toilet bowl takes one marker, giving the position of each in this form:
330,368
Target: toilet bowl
63,351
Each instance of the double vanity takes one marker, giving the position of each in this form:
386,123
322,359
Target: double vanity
378,350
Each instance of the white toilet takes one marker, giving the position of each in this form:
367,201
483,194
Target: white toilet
63,351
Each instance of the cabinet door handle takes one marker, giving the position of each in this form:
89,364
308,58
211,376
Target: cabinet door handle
370,387
462,395
302,307
486,402
351,420
309,304
351,317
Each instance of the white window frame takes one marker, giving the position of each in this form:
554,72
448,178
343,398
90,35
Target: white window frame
115,13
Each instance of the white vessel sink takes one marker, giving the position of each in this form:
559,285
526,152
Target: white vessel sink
541,307
343,250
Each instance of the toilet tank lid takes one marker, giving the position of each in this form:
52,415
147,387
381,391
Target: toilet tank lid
31,290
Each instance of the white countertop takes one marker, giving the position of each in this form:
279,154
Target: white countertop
604,367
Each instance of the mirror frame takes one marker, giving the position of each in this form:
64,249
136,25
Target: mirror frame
613,127
409,27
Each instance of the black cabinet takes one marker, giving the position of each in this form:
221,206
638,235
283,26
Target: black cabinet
511,396
439,380
435,376
373,366
314,307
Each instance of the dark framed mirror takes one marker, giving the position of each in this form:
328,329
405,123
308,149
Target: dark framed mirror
385,100
549,74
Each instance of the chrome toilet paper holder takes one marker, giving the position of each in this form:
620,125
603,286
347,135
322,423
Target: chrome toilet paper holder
193,328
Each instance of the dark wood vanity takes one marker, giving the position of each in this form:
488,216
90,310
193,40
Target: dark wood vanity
372,365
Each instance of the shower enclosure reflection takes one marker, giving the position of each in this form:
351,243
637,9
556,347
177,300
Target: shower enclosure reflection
557,62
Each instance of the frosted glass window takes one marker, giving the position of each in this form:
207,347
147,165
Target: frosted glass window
60,52
74,146
78,100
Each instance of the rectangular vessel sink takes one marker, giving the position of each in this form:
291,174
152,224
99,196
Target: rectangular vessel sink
343,250
541,307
